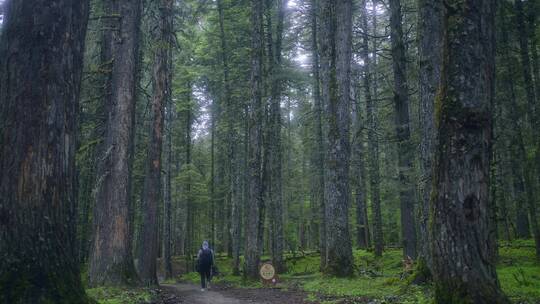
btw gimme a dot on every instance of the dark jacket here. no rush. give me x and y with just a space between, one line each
205 260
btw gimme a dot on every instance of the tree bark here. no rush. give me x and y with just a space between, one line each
273 147
518 161
111 259
255 202
236 212
167 210
462 242
502 198
319 151
335 50
359 179
526 63
533 114
41 63
373 141
532 17
430 32
532 23
148 253
190 251
403 131
235 184
212 214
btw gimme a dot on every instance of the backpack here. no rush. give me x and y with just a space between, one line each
205 259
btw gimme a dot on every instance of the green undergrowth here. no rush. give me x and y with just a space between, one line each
380 278
519 272
383 278
114 295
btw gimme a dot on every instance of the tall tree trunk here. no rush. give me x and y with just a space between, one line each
234 160
359 173
522 220
229 134
255 202
492 211
532 24
502 198
220 201
168 210
212 215
148 253
236 211
111 259
273 159
371 117
84 220
533 112
167 193
245 169
518 157
39 101
463 264
403 132
526 63
88 162
179 212
335 50
319 150
430 32
532 17
189 231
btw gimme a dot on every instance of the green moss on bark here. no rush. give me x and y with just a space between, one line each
446 295
421 274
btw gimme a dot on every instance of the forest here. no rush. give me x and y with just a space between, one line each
371 151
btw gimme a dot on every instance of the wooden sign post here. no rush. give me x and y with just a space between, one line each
268 274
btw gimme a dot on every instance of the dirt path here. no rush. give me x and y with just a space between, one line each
188 293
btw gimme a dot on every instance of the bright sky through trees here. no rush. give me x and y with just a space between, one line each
1 12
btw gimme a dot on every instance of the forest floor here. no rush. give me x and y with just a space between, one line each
376 281
221 294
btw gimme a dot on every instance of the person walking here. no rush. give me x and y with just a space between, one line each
205 261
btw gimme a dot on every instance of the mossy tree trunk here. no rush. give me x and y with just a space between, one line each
234 152
403 132
162 81
430 34
533 111
41 54
318 134
111 261
255 201
359 177
518 156
189 248
463 237
371 120
335 54
273 145
167 191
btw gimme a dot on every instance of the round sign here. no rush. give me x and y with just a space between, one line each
267 272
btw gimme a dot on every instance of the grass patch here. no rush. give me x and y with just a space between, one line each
114 295
382 278
519 272
170 281
375 278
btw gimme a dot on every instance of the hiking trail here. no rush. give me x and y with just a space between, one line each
192 294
